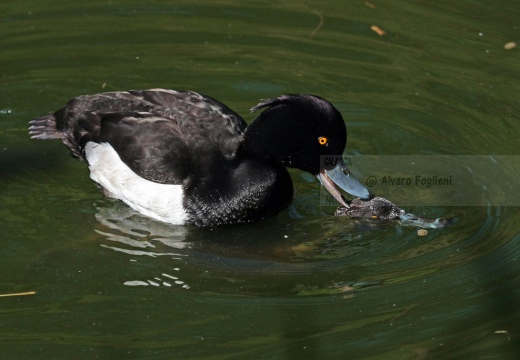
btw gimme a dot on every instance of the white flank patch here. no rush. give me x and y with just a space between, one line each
159 201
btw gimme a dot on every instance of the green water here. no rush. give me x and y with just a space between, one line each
301 285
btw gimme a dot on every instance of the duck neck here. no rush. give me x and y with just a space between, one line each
266 139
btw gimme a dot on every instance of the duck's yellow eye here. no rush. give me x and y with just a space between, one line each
323 140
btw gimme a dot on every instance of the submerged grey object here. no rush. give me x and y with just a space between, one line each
383 209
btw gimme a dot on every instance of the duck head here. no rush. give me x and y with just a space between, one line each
305 132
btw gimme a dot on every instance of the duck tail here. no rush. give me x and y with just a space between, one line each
44 127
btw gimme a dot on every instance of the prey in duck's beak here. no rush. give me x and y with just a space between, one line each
341 176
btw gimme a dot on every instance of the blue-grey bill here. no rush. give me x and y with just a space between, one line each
340 176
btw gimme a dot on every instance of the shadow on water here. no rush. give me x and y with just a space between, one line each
23 159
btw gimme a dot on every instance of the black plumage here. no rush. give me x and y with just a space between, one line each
229 172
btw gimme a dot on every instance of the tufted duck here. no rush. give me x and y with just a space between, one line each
185 158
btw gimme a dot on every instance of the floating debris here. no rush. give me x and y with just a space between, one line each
19 294
510 45
422 232
377 30
503 332
320 24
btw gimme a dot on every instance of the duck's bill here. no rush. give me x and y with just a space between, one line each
340 177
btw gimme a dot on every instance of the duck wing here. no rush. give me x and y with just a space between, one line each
158 133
